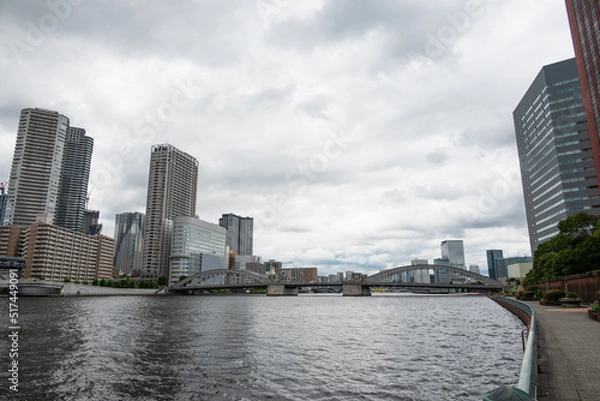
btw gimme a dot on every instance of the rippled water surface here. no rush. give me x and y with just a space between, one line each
317 347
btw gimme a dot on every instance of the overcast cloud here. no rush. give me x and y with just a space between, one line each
359 134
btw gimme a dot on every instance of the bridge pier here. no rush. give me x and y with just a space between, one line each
281 290
355 289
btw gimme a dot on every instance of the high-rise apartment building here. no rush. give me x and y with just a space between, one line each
240 233
555 153
50 171
493 255
584 19
172 185
36 168
129 242
74 180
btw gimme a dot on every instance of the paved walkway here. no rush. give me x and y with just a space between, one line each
569 354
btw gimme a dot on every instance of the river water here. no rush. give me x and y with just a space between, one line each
247 347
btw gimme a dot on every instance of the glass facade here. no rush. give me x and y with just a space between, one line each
555 153
197 246
493 255
240 233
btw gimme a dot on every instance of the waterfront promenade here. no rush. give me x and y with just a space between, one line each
569 354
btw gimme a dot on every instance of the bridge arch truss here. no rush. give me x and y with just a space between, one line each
422 273
221 277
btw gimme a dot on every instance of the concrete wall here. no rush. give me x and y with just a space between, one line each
584 285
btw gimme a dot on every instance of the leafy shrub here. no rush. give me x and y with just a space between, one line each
596 307
554 295
572 295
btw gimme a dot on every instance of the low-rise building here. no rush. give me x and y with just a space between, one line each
55 253
197 246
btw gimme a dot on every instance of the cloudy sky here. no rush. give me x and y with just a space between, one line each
359 134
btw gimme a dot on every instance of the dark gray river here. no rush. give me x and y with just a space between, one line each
312 347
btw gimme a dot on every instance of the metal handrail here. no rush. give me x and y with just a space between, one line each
528 376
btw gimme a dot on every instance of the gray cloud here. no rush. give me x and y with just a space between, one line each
329 123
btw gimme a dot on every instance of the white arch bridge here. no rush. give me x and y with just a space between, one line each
423 277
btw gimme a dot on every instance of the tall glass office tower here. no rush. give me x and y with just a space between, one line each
557 167
129 242
493 255
172 185
240 233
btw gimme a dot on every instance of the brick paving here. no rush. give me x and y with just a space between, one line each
569 354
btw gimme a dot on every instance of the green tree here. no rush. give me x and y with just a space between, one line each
575 249
162 281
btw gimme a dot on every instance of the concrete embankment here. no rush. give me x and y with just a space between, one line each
71 289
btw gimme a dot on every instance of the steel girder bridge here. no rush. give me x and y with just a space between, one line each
432 278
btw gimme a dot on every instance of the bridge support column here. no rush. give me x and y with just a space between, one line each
280 290
355 289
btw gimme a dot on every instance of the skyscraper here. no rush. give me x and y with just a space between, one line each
34 183
493 255
172 185
453 251
129 242
555 153
240 233
74 180
584 19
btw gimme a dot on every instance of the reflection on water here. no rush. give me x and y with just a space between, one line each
317 347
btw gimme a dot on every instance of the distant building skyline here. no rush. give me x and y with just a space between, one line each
171 192
557 167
